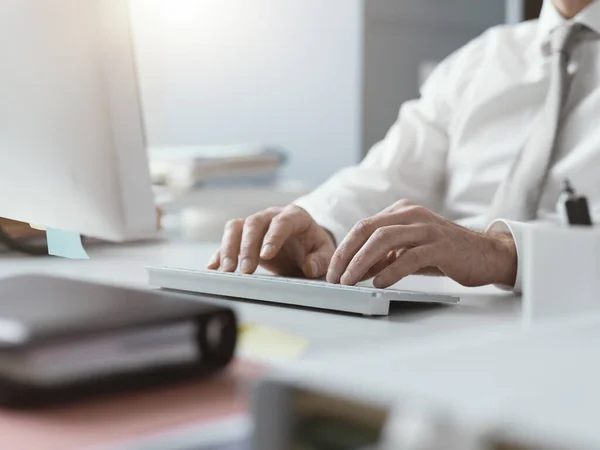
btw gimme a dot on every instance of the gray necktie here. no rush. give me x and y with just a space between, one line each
518 196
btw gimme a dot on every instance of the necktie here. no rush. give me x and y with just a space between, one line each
518 196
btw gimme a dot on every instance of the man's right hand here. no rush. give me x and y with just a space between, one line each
285 241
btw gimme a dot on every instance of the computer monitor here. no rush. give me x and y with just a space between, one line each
72 139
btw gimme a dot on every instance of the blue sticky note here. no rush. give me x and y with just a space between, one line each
65 244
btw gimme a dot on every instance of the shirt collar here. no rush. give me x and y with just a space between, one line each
550 19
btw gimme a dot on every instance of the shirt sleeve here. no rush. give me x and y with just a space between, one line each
517 230
409 163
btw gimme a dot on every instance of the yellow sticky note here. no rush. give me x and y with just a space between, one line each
37 227
265 343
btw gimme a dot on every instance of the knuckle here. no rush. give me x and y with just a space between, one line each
254 220
282 220
364 227
234 224
416 211
273 210
381 235
405 203
292 207
292 210
297 213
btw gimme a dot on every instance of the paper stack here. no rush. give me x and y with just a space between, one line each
185 168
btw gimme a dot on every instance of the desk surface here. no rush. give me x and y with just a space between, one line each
125 264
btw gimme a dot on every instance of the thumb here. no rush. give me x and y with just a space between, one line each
316 264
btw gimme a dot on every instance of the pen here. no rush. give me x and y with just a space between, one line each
572 208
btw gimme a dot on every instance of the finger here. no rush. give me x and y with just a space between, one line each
353 241
316 264
364 229
380 266
215 261
282 227
409 263
230 245
381 242
254 232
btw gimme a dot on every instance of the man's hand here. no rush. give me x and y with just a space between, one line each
286 241
405 239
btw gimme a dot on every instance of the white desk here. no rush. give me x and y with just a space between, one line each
326 330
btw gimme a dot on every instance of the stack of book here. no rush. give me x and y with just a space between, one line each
186 168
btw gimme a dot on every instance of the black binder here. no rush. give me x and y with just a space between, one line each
63 339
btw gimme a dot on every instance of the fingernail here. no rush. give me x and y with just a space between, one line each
228 264
332 277
314 269
246 265
267 250
380 283
213 260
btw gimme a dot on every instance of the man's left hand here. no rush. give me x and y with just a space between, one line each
407 239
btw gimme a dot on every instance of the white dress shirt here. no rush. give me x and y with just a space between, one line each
450 149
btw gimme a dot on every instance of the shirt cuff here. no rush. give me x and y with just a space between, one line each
517 230
320 214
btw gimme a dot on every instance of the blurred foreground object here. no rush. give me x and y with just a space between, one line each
66 340
561 271
498 389
262 343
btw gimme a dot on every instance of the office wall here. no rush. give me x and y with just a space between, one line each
322 78
403 37
285 72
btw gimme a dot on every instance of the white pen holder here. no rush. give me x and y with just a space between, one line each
561 272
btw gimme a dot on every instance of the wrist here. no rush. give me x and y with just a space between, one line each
504 269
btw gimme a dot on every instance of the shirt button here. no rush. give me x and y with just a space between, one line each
572 68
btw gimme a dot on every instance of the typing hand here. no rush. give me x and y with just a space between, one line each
286 241
406 239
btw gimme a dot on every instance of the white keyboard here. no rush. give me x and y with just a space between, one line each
290 291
